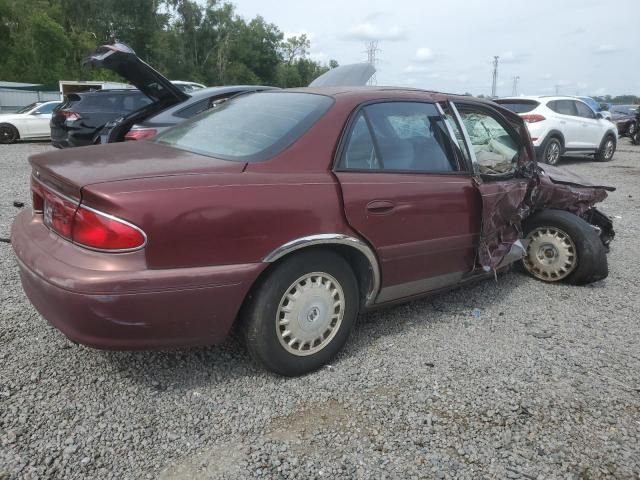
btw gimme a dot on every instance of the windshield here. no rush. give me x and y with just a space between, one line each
624 109
249 128
28 107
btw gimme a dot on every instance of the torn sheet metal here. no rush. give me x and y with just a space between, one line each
507 203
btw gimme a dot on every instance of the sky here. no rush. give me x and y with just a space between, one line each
575 47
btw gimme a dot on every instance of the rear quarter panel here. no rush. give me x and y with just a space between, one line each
219 219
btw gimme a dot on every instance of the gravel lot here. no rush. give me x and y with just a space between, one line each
515 379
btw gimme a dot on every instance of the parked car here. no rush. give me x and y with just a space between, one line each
561 125
78 121
292 211
30 122
595 106
164 94
624 116
200 100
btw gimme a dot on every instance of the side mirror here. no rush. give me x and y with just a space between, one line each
599 115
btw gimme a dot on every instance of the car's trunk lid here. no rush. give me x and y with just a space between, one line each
121 59
67 171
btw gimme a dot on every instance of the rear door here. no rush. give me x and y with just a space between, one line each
408 190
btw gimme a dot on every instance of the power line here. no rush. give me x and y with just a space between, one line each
494 80
372 59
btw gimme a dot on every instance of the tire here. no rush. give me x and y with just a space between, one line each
552 151
607 148
631 129
635 138
563 247
311 284
8 133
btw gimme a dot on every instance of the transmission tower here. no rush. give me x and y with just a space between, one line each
372 59
494 79
514 91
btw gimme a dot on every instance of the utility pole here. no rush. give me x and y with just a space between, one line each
514 91
557 87
494 80
372 59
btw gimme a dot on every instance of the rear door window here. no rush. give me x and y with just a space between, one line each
400 137
564 107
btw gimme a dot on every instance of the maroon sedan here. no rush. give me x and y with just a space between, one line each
290 212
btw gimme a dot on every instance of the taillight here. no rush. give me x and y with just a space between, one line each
98 230
140 134
70 116
83 225
532 118
58 213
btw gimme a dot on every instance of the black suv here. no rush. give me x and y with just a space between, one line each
79 119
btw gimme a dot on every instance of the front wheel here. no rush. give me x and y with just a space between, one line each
8 133
301 314
563 247
607 149
635 137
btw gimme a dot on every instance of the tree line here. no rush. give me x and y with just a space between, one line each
44 41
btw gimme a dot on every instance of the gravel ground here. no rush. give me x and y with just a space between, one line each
515 379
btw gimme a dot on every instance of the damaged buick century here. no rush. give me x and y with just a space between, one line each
290 212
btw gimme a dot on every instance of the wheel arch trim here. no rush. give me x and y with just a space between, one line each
333 239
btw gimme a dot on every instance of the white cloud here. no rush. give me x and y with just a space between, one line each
514 57
416 69
601 91
321 57
547 76
605 49
462 78
368 31
299 33
424 54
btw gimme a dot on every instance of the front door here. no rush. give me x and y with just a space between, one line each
408 191
591 131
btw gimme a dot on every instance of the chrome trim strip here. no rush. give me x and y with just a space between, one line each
53 190
115 219
404 290
333 239
467 138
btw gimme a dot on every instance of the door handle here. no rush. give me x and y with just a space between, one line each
562 121
380 206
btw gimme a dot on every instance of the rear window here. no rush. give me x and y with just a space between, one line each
249 128
519 106
109 102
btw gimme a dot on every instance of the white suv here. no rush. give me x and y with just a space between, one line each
560 125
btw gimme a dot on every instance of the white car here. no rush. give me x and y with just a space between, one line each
30 122
561 125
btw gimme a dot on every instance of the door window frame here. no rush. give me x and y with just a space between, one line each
345 137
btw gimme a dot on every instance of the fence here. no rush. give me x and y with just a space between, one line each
13 100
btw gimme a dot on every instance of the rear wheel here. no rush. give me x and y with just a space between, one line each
8 133
632 128
635 138
552 151
563 247
301 314
607 149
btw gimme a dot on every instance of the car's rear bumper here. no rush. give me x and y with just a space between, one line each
113 301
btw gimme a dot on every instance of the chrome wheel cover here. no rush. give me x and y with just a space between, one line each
551 254
310 314
609 148
552 153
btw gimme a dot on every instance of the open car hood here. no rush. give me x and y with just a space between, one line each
352 75
121 59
